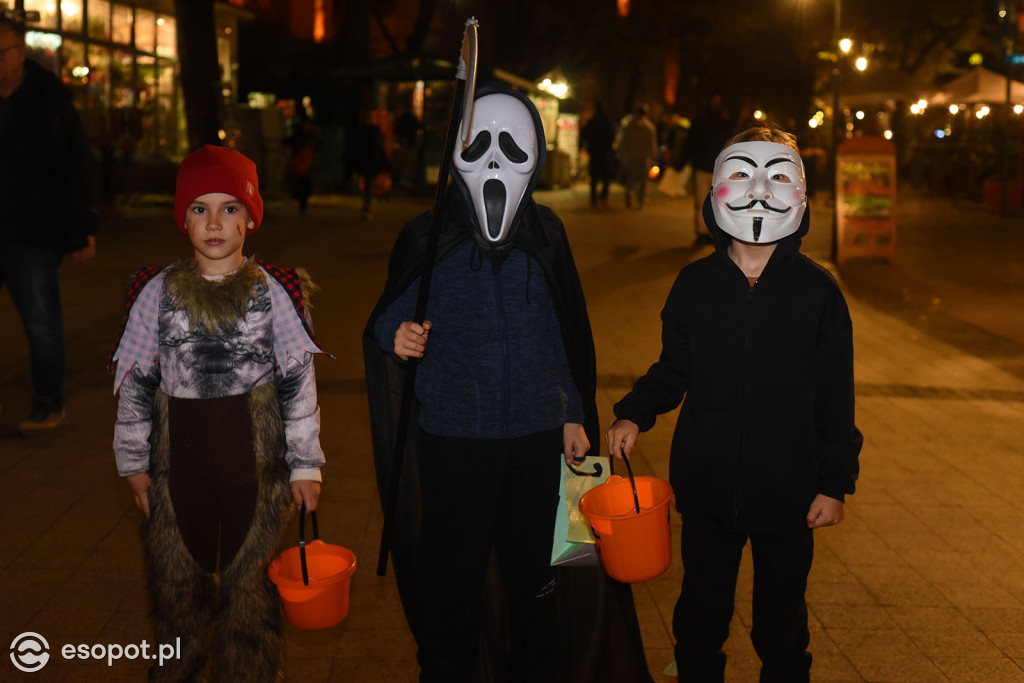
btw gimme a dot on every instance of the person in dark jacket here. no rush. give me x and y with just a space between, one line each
707 136
505 385
303 141
758 346
49 211
597 138
368 158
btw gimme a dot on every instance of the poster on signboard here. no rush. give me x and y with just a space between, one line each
865 200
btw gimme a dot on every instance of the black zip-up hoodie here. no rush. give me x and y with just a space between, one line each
767 374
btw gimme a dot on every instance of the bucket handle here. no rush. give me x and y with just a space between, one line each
302 539
632 481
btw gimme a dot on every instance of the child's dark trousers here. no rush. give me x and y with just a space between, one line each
711 559
481 495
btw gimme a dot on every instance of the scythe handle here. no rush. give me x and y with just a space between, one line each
461 105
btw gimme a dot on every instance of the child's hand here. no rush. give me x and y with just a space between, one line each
306 491
140 485
824 511
411 339
621 437
575 443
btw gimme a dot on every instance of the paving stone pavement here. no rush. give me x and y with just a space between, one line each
924 581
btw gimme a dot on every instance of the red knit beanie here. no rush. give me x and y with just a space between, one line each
217 169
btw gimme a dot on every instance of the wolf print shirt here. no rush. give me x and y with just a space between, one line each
195 337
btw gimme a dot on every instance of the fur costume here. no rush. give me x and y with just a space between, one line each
218 338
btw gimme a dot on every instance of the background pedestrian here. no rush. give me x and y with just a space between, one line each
49 205
638 150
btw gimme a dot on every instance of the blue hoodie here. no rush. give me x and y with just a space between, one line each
495 365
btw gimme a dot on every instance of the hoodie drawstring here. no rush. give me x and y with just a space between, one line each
476 257
529 269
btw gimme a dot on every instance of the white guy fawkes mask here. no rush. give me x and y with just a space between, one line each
759 193
498 163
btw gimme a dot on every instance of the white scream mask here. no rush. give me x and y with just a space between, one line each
498 163
759 193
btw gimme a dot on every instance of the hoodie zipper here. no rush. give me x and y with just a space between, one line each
743 410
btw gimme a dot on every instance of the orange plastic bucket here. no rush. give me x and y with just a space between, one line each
634 546
322 602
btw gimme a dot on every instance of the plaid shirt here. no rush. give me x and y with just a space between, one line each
140 339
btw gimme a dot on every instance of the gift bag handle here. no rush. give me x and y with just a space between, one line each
598 471
302 539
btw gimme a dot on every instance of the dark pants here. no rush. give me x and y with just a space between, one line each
212 477
600 172
32 277
302 188
480 495
368 190
711 559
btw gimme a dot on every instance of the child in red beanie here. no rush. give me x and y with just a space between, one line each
217 430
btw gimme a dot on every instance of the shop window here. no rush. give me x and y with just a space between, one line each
99 92
180 143
71 16
148 121
167 108
43 47
47 12
226 69
121 24
99 75
159 104
122 85
99 19
166 36
145 30
74 71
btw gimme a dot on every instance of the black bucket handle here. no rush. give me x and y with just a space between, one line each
316 537
632 481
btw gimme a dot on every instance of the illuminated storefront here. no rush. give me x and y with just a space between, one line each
120 60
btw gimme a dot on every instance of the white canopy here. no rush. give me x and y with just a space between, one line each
979 85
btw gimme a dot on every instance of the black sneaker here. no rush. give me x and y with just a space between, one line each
41 420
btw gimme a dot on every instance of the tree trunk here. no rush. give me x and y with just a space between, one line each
200 72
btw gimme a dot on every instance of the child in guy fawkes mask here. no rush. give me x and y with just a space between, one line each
505 385
758 345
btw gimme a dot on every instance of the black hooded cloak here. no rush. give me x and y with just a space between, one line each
598 619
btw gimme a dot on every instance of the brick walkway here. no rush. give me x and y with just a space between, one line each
924 581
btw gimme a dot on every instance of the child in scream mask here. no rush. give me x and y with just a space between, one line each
758 345
217 430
